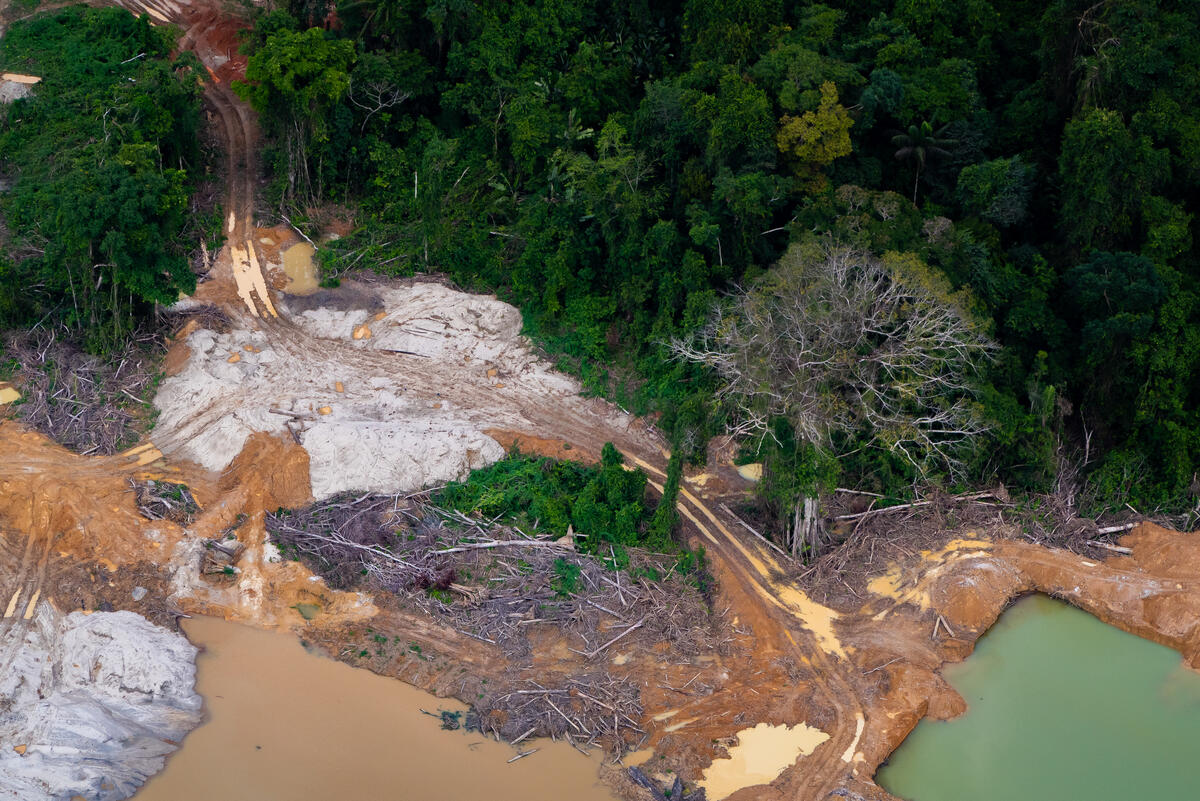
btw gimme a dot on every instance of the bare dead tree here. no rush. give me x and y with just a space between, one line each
375 96
834 339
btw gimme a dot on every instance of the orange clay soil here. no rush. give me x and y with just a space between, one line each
71 533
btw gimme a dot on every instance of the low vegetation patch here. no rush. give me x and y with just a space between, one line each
604 507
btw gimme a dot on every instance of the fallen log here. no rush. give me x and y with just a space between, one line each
1108 546
970 496
479 546
747 526
597 651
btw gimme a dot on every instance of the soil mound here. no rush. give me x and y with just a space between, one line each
91 704
341 376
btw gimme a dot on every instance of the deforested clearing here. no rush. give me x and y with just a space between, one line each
389 428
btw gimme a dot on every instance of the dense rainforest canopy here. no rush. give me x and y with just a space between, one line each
102 160
636 175
617 167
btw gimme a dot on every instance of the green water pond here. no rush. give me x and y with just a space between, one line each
1061 707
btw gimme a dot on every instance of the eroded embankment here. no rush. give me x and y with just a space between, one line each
396 386
931 609
93 703
852 678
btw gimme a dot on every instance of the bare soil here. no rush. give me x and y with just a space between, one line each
859 665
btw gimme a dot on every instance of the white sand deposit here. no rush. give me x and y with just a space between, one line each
370 416
91 705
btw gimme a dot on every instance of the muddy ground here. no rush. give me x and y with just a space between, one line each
864 674
861 667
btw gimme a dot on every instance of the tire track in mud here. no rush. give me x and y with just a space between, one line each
22 593
750 568
583 423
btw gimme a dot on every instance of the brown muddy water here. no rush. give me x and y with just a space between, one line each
284 723
300 268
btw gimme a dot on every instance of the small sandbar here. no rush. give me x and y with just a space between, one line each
762 753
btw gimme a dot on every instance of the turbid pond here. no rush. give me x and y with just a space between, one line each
288 724
1060 706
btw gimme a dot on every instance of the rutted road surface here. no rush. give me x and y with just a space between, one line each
263 415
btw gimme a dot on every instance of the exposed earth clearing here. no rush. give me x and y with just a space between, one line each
424 371
364 372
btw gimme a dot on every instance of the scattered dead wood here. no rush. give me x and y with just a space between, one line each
584 711
89 404
220 557
1108 546
208 316
497 583
971 496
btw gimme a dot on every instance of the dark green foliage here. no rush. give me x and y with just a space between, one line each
102 155
614 167
794 468
294 79
997 191
605 506
666 516
566 577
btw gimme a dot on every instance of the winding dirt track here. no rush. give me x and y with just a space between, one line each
797 661
748 573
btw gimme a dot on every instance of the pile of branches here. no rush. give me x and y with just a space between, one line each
340 537
491 581
870 536
496 583
165 500
598 606
583 711
89 404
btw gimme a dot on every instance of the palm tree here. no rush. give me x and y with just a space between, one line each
920 145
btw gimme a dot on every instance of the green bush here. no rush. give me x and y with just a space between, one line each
604 505
566 578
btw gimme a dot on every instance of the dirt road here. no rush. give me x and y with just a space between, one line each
862 675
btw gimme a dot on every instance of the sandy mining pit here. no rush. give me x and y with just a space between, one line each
419 383
94 703
337 375
402 385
